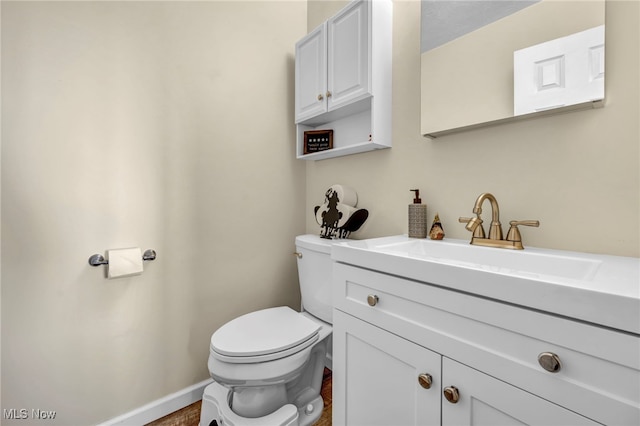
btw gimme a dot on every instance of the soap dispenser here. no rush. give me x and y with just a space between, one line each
417 217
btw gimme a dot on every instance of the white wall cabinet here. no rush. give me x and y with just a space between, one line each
487 350
343 80
332 63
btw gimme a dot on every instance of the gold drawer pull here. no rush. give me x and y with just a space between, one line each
425 380
452 394
372 300
550 362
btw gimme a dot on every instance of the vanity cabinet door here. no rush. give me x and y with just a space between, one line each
349 53
311 74
485 400
382 379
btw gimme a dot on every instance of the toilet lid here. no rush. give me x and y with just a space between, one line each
263 332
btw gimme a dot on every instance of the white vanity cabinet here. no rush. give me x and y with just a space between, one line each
485 400
388 331
382 379
343 80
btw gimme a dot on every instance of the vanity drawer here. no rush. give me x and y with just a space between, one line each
599 374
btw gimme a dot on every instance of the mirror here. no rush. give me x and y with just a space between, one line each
468 52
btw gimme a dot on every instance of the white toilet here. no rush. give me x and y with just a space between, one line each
268 365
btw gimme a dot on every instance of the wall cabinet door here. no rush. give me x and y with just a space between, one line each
311 74
378 377
332 63
485 400
349 52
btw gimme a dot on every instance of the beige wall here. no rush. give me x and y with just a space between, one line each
161 125
578 173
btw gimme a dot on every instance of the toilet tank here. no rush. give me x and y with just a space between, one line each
315 275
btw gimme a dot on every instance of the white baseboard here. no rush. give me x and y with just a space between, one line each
160 407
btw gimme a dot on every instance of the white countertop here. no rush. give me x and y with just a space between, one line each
598 289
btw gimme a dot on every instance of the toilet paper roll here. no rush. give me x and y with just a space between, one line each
124 262
346 195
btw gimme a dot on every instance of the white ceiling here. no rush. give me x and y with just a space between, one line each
445 20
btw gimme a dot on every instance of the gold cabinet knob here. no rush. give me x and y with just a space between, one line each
372 300
550 362
320 97
328 94
452 394
425 380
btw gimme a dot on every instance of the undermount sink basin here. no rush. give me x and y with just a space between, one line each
531 262
600 289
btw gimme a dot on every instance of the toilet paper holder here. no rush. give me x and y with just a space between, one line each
98 259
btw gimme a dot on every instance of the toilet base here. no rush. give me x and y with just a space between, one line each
216 411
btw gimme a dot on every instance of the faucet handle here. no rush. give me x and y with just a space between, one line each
535 223
474 225
514 232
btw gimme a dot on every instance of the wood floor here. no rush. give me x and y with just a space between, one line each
190 416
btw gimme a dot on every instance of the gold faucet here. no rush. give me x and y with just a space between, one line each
513 240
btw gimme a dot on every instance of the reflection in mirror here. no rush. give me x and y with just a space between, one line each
478 55
563 71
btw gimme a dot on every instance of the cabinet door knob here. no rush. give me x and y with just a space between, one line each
425 380
320 97
452 394
328 94
550 362
372 300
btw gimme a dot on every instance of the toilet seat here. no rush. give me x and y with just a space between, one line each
264 335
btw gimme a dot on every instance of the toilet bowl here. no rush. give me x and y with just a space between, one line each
267 365
216 408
